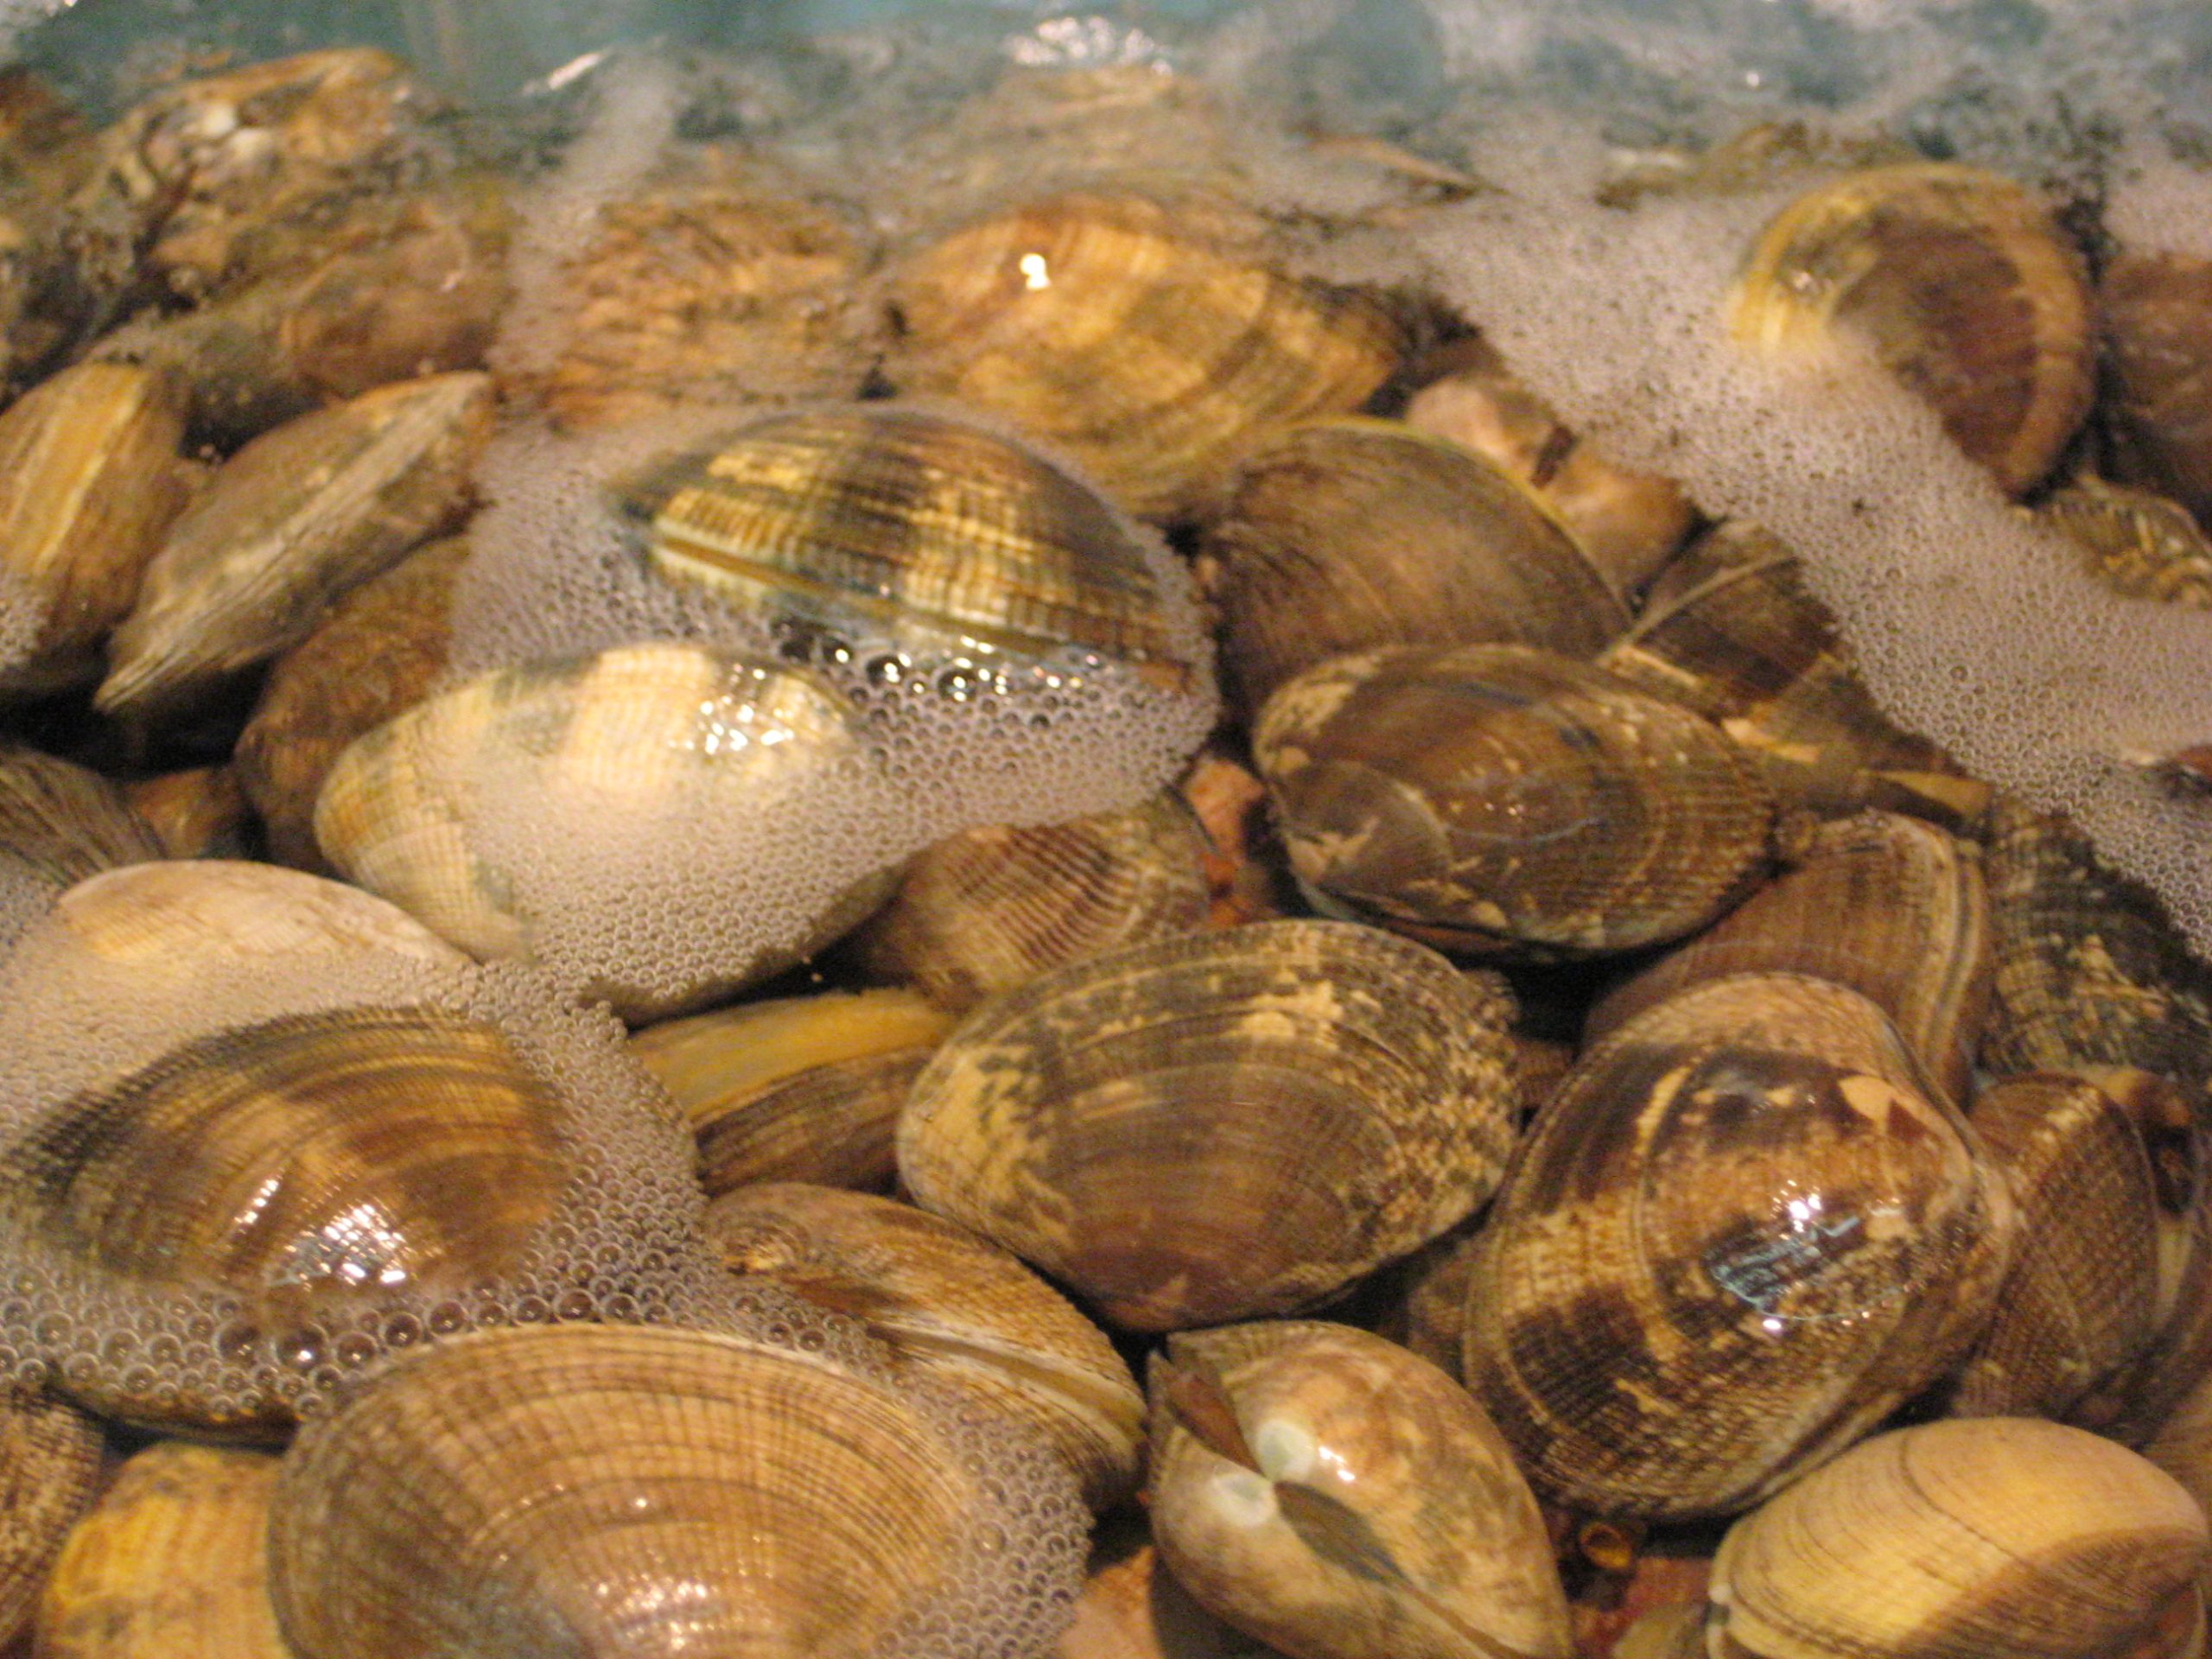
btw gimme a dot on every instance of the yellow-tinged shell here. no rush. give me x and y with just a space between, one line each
1345 535
1889 906
2157 313
50 1474
1742 1233
603 1489
952 1307
173 1561
61 822
1339 1498
1503 799
992 908
1100 323
295 520
197 812
90 479
1220 1126
1961 283
1990 1536
2134 542
909 525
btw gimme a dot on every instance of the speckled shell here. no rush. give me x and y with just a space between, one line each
1964 287
1333 1495
289 524
61 822
1347 535
2157 313
1217 1128
1730 631
907 524
173 1561
197 812
994 907
49 1473
1110 327
676 1491
2136 542
1888 905
1995 1535
241 1165
372 657
1742 1233
950 1306
1497 798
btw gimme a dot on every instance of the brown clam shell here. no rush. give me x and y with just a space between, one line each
1962 284
1345 535
50 1474
1500 799
2157 313
199 812
1889 906
2136 542
950 1306
1744 1232
62 822
1219 1127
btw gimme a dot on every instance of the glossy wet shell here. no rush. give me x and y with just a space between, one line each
1346 535
174 1561
302 1169
1354 1503
1741 1235
2157 310
681 1490
950 1307
1964 287
1496 799
49 1473
907 524
61 822
1096 322
1220 1126
2000 1535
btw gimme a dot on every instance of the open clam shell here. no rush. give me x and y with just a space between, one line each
596 1491
50 1474
1219 1127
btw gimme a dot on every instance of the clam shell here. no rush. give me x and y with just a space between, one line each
1742 1233
2137 543
1503 799
1960 283
1219 1127
604 1489
61 822
376 655
199 812
1888 905
1100 323
950 1307
290 523
2157 313
173 1561
1346 535
1331 1494
991 908
1994 1535
50 1474
1132 1608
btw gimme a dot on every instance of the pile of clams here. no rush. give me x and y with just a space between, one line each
708 945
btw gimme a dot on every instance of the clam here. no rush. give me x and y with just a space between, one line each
1346 535
374 656
1993 1536
1744 1232
1132 1608
1333 1495
1731 631
1498 798
1960 283
2157 312
50 1474
638 821
1111 326
1889 906
61 822
172 1561
991 909
197 813
90 479
1426 1311
653 1489
46 154
1219 1127
2135 542
289 524
951 1308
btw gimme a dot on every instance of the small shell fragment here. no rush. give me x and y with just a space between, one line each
2134 542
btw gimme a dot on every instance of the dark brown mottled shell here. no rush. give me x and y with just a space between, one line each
1219 1127
199 812
1730 630
2136 542
1964 286
1347 535
2158 333
1503 799
1742 1233
49 1472
1889 906
62 822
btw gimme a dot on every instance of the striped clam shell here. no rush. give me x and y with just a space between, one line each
50 1474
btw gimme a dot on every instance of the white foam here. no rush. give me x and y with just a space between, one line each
2159 205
